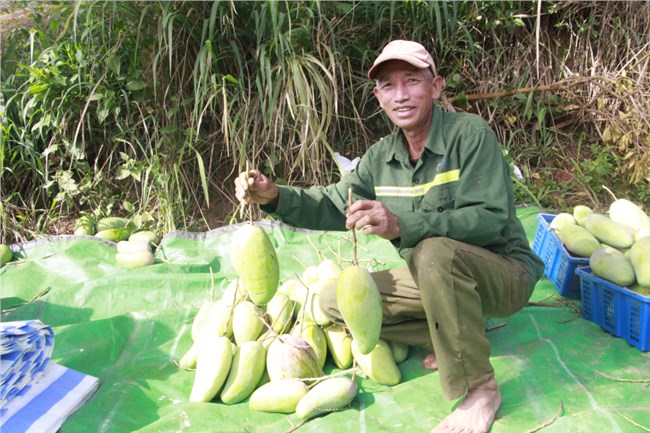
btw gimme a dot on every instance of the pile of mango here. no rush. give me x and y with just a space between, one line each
134 247
617 243
268 342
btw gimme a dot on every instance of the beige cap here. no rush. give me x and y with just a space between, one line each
408 51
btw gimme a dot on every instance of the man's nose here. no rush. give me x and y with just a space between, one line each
401 92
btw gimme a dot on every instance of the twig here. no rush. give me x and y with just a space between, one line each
498 325
620 379
250 202
212 292
297 426
43 292
317 380
561 85
354 233
23 261
610 192
559 303
631 420
299 261
549 421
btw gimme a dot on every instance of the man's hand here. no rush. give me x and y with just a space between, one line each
373 218
257 188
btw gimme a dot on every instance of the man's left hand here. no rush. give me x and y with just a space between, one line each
373 218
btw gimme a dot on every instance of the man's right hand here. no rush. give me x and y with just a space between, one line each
254 186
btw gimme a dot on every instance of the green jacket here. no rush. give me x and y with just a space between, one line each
460 188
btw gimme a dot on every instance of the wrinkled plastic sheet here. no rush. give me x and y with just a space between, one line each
129 327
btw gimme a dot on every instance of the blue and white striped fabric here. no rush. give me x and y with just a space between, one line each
58 393
36 396
25 350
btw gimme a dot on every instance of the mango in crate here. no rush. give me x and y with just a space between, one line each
578 240
609 232
612 265
629 214
580 213
640 259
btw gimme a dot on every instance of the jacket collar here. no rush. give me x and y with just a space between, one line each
435 142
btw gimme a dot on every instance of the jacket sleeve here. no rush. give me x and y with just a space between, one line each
323 207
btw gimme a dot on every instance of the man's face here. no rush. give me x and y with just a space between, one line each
405 93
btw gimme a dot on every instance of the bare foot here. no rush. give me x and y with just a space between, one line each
476 413
430 362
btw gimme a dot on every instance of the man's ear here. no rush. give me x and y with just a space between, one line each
438 84
375 91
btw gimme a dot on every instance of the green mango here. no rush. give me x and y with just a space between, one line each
359 303
246 370
135 259
213 361
291 357
247 323
399 350
6 255
116 223
280 312
578 240
580 212
608 231
629 214
640 259
114 235
145 236
280 396
314 335
339 345
379 365
255 261
561 220
331 394
612 265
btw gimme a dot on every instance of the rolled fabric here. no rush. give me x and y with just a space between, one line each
25 350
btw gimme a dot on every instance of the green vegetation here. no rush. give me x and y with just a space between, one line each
146 110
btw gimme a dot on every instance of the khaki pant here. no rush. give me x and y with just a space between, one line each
440 302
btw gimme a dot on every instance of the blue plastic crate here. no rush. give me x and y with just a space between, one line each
559 265
616 309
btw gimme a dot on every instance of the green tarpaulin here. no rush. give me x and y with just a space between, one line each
129 327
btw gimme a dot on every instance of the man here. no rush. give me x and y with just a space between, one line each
440 190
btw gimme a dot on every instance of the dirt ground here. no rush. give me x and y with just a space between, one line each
10 20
